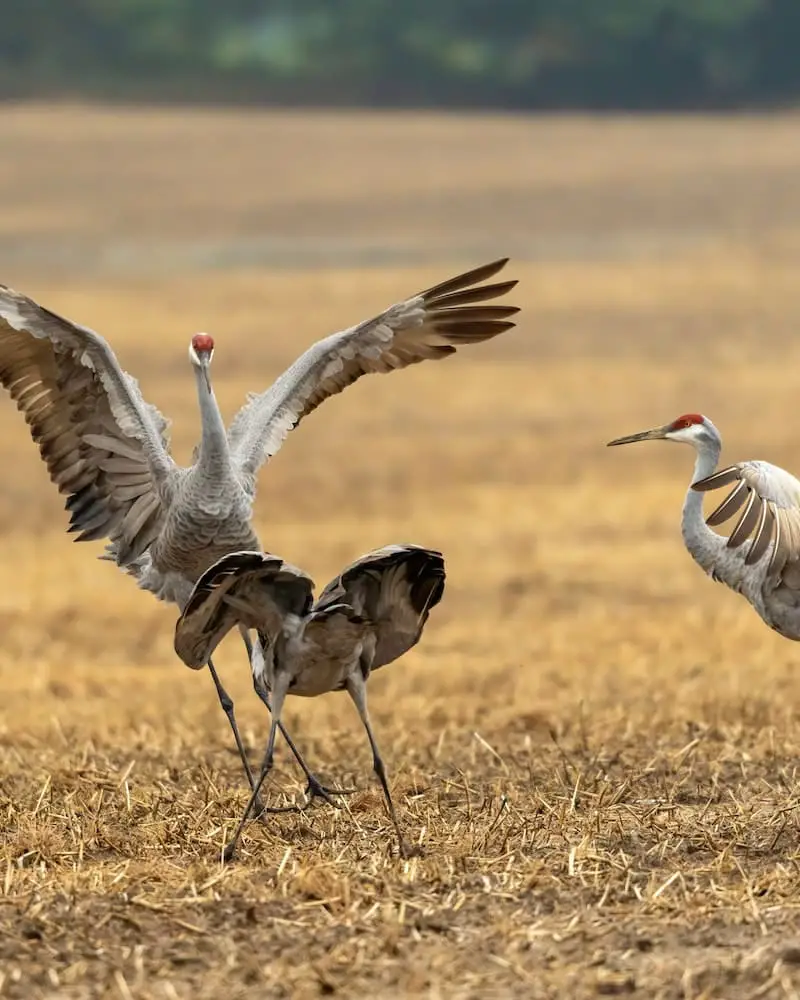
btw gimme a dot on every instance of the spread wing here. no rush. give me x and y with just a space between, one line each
768 498
395 588
104 446
254 589
427 326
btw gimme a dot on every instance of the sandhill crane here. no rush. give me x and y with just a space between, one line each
108 450
767 571
371 614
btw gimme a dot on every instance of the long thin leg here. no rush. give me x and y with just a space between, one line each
262 810
357 689
226 702
278 696
314 788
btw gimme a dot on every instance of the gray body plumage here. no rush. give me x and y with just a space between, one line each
202 524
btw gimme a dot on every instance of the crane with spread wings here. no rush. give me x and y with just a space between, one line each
107 449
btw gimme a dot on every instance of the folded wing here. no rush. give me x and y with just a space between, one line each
767 500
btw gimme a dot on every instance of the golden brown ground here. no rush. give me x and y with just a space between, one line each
596 746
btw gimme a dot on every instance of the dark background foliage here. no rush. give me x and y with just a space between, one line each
465 53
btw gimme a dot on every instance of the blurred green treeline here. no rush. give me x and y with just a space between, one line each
468 53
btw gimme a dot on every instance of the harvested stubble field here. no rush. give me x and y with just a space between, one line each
596 746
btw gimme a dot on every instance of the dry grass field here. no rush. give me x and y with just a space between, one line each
596 747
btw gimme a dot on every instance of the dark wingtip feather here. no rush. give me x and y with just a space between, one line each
717 480
473 331
466 279
77 499
780 549
763 535
746 522
473 312
477 293
91 534
729 506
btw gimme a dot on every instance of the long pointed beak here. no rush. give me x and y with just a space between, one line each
655 434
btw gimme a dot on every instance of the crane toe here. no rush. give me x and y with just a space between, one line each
316 790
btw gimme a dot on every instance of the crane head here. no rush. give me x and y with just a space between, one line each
690 428
201 350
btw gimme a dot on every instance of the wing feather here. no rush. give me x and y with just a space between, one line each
718 479
427 326
395 588
746 522
82 409
729 505
772 511
253 589
763 534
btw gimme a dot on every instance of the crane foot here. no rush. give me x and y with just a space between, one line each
313 790
316 790
259 810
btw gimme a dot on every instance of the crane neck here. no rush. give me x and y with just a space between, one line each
706 462
214 455
703 543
